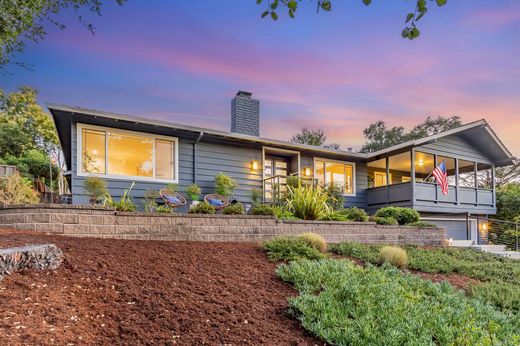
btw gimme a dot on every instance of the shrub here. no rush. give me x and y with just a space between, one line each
307 204
282 213
172 187
293 181
314 240
163 209
393 255
224 185
124 204
422 224
234 209
193 191
345 304
290 249
262 209
95 187
202 208
389 221
17 190
335 196
336 215
256 195
150 200
355 214
402 215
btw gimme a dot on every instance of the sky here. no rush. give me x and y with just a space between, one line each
183 61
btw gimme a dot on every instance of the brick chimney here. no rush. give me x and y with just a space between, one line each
245 114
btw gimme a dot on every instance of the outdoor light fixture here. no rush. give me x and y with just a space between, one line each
307 171
484 226
254 165
420 163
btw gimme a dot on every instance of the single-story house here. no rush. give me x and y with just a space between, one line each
123 149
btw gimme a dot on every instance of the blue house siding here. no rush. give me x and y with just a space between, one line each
454 146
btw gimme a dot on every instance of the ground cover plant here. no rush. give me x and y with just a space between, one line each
290 248
347 304
500 276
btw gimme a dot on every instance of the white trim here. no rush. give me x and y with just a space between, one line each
285 151
354 172
79 154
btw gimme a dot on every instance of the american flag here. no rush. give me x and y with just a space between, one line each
441 176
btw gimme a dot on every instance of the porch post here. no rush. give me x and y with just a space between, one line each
387 180
412 173
436 183
475 173
493 184
457 181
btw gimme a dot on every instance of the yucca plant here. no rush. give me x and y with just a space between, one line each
307 203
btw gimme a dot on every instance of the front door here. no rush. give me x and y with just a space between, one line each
276 170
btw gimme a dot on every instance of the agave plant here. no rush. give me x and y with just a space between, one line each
307 203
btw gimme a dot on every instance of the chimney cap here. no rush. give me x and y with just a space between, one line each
244 93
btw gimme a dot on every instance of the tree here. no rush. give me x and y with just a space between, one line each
25 19
508 202
410 30
11 141
21 111
379 136
311 137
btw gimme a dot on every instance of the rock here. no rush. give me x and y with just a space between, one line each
39 256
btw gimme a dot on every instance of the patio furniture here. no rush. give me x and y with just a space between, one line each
216 200
172 199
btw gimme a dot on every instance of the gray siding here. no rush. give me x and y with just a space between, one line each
454 146
231 160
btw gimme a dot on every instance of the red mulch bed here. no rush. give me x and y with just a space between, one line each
147 292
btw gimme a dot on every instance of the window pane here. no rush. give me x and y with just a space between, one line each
164 159
335 174
450 168
93 151
484 176
130 155
400 168
466 173
424 166
377 173
349 179
320 172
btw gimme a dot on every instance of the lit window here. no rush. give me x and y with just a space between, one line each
93 151
118 153
335 173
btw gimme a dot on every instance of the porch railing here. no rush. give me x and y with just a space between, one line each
498 232
275 187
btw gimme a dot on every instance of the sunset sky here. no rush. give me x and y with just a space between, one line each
183 61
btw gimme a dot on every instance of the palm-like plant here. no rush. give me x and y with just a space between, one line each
307 203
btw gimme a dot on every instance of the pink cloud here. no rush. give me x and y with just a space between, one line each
493 19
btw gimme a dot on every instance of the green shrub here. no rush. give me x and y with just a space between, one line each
202 208
224 185
393 255
307 204
126 202
17 190
290 248
402 215
355 214
163 209
262 209
234 209
422 224
193 191
282 213
256 195
293 181
336 215
389 221
345 304
96 188
172 187
335 195
150 200
314 240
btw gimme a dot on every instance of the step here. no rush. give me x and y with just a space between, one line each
461 243
489 248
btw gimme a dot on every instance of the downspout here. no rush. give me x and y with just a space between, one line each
195 157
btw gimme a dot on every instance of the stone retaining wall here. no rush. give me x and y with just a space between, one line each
86 221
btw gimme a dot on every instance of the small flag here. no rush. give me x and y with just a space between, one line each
441 176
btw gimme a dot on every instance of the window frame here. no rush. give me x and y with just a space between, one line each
79 153
352 164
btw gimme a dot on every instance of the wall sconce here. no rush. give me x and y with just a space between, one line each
484 226
307 172
420 163
254 165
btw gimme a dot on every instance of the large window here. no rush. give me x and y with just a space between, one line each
424 166
400 168
330 172
117 153
466 173
377 173
450 168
